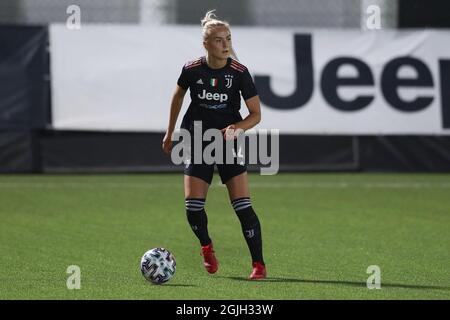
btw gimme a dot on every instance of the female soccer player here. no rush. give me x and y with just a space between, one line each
216 82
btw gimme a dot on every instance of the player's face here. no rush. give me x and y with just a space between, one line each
218 43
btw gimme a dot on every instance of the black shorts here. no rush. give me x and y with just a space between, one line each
205 171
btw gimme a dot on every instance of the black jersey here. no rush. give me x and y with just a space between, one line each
215 93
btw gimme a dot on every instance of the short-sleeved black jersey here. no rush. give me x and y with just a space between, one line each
215 93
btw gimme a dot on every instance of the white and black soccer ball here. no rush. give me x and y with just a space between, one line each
158 265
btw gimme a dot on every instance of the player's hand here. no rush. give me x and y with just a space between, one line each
230 132
167 143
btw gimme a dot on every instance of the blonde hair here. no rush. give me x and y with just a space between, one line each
211 21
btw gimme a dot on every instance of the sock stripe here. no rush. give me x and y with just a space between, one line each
194 209
194 201
194 204
240 199
242 207
241 203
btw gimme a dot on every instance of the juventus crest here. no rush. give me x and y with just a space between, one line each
229 80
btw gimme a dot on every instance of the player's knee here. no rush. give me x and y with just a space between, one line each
194 205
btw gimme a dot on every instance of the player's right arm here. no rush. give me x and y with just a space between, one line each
175 107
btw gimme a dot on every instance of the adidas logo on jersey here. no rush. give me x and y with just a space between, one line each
199 81
221 97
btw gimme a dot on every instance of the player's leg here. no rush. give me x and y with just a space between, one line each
238 191
196 183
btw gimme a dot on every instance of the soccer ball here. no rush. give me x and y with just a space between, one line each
158 265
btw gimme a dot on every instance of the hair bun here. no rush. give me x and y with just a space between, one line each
209 16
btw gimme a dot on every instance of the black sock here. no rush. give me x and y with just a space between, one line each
251 227
198 220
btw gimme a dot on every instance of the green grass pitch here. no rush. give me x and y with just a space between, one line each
320 234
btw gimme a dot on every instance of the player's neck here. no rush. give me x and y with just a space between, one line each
215 63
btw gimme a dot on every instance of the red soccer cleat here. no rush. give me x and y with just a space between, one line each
210 262
259 271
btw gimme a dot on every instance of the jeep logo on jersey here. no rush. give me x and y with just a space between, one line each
221 97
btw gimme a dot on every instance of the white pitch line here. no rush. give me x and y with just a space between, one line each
85 185
343 185
268 185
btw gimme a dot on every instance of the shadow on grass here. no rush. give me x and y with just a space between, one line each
345 283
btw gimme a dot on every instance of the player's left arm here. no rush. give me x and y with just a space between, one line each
254 107
254 117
